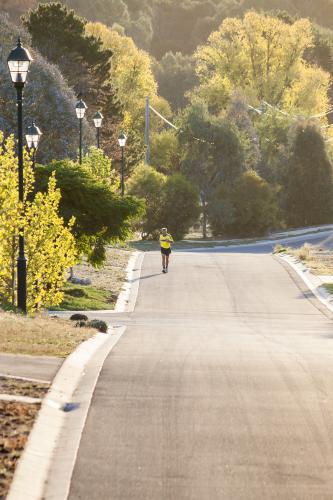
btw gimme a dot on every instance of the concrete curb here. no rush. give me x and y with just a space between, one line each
313 282
50 454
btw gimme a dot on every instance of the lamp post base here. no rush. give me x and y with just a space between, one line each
22 284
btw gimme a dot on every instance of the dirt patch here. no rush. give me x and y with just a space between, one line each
16 422
23 388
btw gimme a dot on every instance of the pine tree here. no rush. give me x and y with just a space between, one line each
309 189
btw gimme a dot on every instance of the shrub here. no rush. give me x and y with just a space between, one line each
101 326
250 208
76 292
180 206
309 189
170 201
78 317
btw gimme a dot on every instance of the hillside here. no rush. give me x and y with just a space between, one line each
160 26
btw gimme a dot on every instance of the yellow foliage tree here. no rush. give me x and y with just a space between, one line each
50 245
132 75
263 56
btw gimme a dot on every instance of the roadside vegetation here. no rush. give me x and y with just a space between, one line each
318 260
40 335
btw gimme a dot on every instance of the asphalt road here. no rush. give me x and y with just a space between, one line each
221 388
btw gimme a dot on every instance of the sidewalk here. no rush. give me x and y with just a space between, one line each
32 367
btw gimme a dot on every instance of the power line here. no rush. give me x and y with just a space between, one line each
172 125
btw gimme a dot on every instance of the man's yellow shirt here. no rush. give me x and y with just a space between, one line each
164 240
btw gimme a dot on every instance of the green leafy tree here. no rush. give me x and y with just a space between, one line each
100 166
171 201
212 152
249 208
101 216
180 205
309 191
148 184
59 34
165 151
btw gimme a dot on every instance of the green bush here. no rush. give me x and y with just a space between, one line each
170 201
180 206
101 326
249 208
309 191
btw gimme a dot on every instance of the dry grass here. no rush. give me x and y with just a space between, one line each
40 335
112 275
318 260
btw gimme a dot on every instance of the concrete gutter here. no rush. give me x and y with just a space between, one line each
45 469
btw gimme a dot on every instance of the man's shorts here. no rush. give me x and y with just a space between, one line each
166 251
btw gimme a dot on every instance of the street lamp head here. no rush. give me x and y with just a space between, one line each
33 136
122 140
80 108
18 62
98 118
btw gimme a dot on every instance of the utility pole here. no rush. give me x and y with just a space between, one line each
147 131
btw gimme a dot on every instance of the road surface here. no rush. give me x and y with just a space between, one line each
221 388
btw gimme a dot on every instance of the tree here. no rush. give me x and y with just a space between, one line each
263 56
53 107
249 208
131 73
59 34
309 189
237 113
212 152
175 74
50 245
165 152
100 166
148 184
171 201
180 205
101 216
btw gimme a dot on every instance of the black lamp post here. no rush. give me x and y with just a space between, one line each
122 143
80 108
98 118
32 137
18 62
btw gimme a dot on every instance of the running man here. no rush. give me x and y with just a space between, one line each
165 242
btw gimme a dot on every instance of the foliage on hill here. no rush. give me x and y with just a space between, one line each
60 35
48 100
161 26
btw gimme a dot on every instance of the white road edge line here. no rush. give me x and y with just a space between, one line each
314 283
47 463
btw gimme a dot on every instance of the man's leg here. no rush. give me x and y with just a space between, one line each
167 261
163 260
